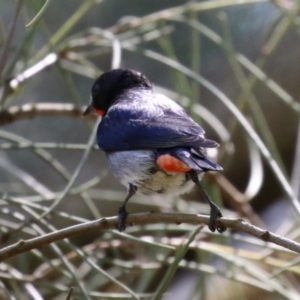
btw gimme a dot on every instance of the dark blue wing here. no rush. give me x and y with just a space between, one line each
149 121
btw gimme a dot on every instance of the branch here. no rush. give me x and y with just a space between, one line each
143 219
33 110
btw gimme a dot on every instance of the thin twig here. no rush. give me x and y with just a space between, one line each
143 219
39 14
33 110
9 38
70 293
75 174
177 10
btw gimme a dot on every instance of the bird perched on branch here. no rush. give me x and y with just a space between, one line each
152 145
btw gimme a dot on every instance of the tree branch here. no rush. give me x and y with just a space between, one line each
33 110
142 219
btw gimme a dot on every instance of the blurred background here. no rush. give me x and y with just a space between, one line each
234 65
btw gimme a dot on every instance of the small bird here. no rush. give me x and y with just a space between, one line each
152 145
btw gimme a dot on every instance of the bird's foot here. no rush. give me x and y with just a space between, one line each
122 215
215 213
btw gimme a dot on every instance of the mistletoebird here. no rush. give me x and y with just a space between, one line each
152 145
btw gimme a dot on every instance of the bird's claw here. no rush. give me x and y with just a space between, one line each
215 213
122 215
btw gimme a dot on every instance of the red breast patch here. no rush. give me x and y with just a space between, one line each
168 163
99 112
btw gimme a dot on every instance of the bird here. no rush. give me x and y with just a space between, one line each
152 145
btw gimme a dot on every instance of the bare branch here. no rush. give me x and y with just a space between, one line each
33 110
142 219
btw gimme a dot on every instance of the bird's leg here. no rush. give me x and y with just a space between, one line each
122 212
215 212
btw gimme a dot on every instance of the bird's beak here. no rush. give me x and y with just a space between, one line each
88 110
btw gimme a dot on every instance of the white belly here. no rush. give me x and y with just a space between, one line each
139 168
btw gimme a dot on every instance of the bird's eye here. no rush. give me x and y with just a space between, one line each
95 89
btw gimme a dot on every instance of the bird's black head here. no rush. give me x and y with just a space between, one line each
110 85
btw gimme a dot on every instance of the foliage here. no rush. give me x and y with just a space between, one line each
232 64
